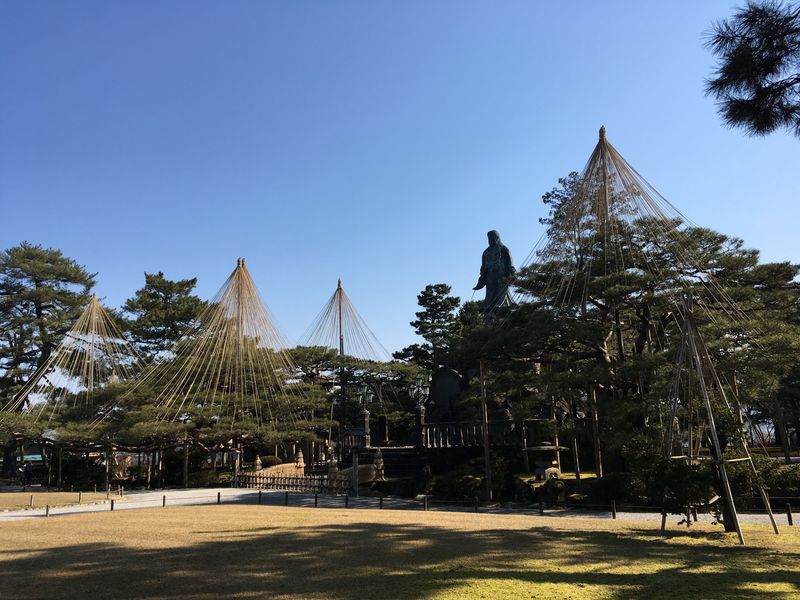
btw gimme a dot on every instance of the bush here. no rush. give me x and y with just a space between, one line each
468 480
781 479
676 485
553 490
201 479
208 478
642 455
622 487
461 483
778 479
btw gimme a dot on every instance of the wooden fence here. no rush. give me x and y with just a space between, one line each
321 484
529 433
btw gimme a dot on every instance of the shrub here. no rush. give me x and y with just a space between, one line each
208 478
676 485
553 490
467 481
200 479
642 455
461 483
781 479
622 487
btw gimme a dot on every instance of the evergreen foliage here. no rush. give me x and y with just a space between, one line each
161 312
41 293
757 81
436 323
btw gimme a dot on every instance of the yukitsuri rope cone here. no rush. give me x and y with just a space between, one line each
611 233
339 326
616 225
232 366
93 353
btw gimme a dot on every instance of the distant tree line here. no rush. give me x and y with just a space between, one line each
42 292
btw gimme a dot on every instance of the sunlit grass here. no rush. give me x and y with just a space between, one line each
243 551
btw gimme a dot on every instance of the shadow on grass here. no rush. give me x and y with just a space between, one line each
373 560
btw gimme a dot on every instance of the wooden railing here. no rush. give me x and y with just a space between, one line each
469 434
355 440
466 434
310 483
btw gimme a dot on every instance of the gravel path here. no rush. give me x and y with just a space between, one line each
147 499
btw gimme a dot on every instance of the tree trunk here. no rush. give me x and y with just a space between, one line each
598 458
186 462
108 470
10 459
618 334
782 433
727 515
161 468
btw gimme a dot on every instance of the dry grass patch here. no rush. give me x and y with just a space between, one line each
21 500
241 551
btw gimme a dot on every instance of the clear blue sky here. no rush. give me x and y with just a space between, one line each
371 141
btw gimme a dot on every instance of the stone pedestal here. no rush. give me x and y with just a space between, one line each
367 437
419 433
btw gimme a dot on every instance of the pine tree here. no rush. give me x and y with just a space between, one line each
435 323
162 311
757 82
41 293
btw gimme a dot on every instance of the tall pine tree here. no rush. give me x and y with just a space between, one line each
162 311
42 292
435 323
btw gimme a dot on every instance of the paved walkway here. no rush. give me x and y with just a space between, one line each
168 498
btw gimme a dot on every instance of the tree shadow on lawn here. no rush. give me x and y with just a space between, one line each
373 560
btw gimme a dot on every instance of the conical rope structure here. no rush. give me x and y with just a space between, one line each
614 226
612 237
93 353
698 390
232 366
339 326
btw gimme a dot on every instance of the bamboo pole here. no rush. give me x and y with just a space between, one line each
726 486
186 461
485 417
598 457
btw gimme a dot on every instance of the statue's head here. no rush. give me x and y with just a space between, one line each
494 237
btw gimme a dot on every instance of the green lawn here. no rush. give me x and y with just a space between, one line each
242 551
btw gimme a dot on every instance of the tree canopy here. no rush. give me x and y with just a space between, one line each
41 293
435 323
162 311
757 80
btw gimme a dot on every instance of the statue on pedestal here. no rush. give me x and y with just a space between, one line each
496 273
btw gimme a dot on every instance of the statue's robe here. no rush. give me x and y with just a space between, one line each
496 270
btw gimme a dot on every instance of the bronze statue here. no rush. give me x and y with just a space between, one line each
496 273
